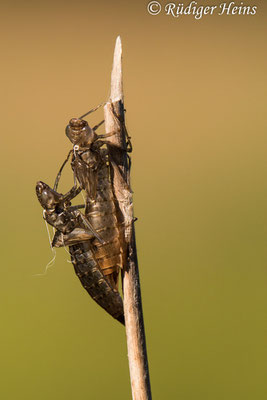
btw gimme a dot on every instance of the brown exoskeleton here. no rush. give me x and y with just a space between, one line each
73 230
92 164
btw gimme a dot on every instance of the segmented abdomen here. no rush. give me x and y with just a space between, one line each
101 213
92 279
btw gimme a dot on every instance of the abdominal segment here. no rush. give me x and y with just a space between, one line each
92 279
101 213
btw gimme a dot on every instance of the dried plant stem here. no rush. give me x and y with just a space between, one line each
135 332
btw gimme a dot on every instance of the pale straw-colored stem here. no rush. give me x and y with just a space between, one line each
134 323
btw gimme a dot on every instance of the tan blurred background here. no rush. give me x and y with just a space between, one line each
195 97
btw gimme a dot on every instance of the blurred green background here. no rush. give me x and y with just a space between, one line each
195 99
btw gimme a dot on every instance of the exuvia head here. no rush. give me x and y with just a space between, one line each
47 196
80 133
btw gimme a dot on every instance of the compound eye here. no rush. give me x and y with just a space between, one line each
40 186
77 123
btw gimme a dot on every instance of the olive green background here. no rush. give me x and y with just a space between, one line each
195 97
